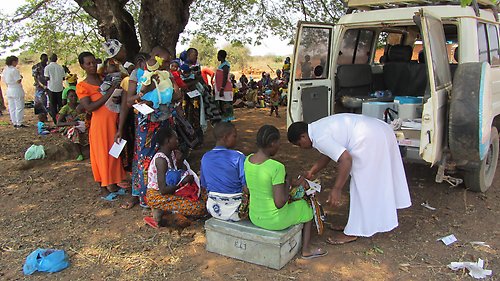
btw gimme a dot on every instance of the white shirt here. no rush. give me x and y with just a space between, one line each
56 74
11 76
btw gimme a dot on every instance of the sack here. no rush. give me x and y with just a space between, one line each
45 260
34 152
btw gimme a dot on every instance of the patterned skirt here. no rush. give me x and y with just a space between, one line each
177 204
145 149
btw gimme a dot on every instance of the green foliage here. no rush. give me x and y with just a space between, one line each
64 27
238 55
207 52
60 27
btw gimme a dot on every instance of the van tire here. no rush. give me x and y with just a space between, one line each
479 177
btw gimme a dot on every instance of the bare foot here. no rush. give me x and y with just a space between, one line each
112 188
130 203
157 215
340 238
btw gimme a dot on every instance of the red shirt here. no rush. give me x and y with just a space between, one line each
205 72
178 79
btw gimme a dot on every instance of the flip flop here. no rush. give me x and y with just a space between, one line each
316 254
110 197
151 222
121 191
331 241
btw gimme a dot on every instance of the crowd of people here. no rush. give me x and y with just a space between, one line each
180 100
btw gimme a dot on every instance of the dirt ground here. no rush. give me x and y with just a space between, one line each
54 203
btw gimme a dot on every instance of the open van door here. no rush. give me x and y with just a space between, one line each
434 115
311 84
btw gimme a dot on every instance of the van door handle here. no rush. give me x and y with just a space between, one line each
307 84
295 100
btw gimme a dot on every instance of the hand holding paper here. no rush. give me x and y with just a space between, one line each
117 148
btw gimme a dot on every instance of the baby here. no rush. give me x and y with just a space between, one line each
164 89
113 77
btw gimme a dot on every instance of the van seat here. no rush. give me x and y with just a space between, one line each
354 80
396 70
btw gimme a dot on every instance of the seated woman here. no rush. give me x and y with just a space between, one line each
162 195
73 123
269 192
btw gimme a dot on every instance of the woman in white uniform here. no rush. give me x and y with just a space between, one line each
366 149
15 93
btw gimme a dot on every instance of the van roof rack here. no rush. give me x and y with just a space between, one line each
387 4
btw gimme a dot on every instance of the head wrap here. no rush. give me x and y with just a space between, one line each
128 64
112 47
72 78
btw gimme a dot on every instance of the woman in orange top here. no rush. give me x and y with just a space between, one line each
107 170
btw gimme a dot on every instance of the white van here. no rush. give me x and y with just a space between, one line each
443 58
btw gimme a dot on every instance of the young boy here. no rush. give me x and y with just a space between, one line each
223 176
275 100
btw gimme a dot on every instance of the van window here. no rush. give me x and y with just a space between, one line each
493 40
356 47
482 42
439 53
313 53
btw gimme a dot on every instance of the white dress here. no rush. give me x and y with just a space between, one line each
378 184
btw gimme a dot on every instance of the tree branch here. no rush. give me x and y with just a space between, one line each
33 10
326 9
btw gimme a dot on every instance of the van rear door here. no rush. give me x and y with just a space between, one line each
434 116
311 83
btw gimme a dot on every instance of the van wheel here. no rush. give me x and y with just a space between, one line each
480 177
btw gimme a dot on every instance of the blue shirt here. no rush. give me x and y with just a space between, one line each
222 170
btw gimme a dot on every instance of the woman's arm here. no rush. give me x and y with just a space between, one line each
344 169
281 193
177 91
61 121
91 106
161 168
318 166
124 108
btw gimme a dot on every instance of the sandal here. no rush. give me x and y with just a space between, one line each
316 254
151 222
333 241
110 197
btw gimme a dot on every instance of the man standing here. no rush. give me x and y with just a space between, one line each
40 84
54 73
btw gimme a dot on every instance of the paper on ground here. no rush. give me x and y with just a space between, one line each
313 187
447 240
427 206
117 148
193 94
479 243
143 108
475 268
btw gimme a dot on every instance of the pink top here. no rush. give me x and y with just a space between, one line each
153 172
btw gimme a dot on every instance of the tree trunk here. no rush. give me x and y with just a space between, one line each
114 22
161 22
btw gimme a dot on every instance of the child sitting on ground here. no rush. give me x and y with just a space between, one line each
165 180
223 176
72 124
270 192
43 129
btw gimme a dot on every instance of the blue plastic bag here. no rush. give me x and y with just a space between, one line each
45 260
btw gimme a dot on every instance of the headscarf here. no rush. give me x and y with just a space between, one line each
112 47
